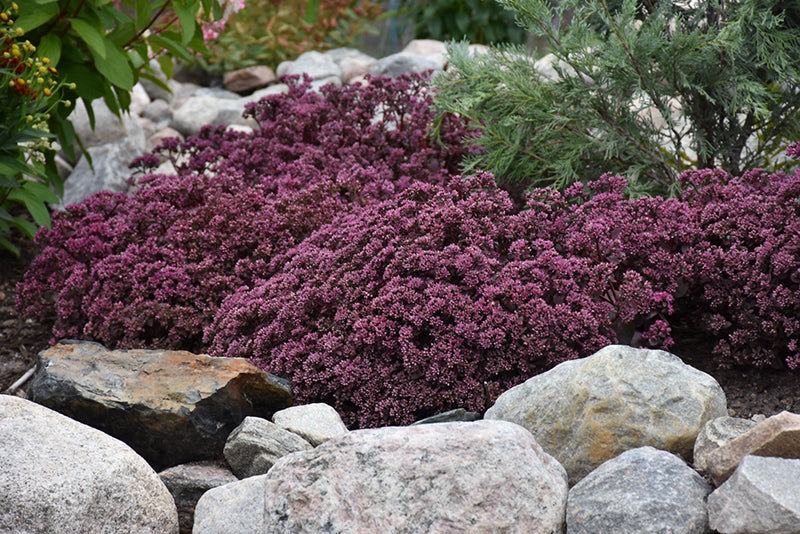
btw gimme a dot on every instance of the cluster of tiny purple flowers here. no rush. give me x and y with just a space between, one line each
344 253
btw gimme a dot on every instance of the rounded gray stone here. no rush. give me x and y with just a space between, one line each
642 490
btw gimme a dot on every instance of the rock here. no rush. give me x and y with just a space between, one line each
428 48
351 62
642 490
255 445
589 410
403 62
248 79
316 85
108 127
459 414
59 475
111 169
316 423
156 139
139 100
234 508
777 436
158 111
188 482
198 111
315 64
762 496
172 407
716 433
486 476
274 89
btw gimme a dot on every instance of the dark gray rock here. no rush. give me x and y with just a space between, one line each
255 445
188 482
459 414
641 491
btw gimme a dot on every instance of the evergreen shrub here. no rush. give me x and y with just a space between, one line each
642 88
149 269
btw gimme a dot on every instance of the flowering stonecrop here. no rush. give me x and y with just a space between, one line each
185 241
305 136
433 299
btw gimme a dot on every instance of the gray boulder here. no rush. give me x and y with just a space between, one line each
255 445
59 475
642 490
715 434
314 64
108 128
198 111
172 407
188 482
111 169
316 423
762 496
587 411
402 62
486 476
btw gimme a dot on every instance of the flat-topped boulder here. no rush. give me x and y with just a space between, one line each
483 476
171 407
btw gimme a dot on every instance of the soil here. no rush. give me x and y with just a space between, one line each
750 393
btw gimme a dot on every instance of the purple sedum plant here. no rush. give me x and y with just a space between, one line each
149 269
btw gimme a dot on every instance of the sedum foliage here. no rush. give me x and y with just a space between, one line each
645 88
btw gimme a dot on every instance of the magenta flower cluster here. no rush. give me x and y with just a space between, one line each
336 247
149 269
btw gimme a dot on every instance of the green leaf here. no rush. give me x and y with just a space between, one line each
34 205
30 20
28 228
143 14
91 36
171 46
6 244
50 47
312 12
40 191
43 2
89 82
115 67
186 13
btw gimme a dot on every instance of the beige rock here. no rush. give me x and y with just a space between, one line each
777 436
717 433
587 411
248 79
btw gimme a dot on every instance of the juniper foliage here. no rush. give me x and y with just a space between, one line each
645 88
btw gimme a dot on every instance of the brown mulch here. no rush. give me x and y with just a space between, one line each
749 392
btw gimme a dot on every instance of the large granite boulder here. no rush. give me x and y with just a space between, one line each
777 436
762 496
58 475
642 490
484 476
188 482
587 411
172 407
